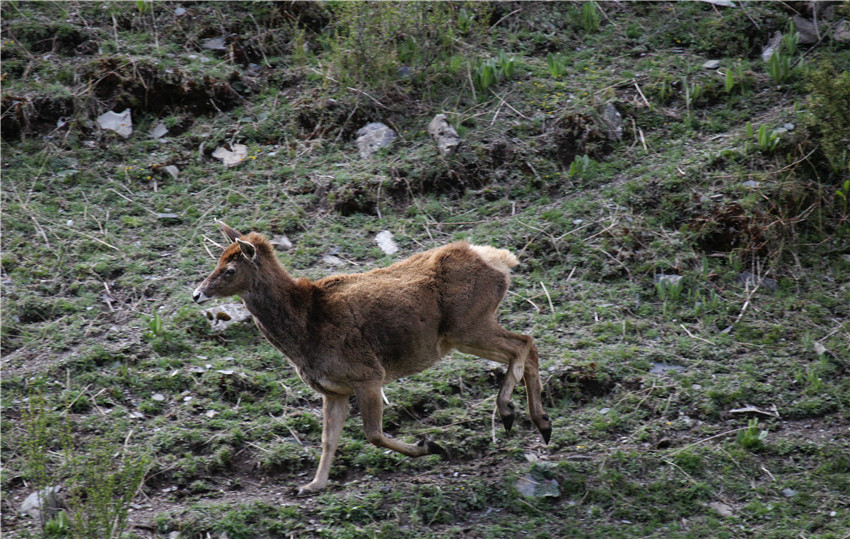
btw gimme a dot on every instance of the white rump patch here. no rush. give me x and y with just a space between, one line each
500 259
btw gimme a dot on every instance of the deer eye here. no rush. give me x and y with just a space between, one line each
229 271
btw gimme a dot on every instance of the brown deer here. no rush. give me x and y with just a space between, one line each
352 334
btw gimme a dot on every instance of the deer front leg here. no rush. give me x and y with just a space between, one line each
372 411
334 412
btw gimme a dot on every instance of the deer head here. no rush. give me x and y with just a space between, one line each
234 271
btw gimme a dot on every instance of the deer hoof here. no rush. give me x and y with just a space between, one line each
546 433
432 447
308 490
508 420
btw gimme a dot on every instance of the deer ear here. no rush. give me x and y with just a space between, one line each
248 249
228 232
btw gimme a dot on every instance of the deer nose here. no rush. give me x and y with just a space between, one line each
199 296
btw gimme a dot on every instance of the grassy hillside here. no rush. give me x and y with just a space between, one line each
685 272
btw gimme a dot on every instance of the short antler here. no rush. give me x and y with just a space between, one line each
228 232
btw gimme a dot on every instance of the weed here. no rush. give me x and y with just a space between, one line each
693 92
842 194
465 18
752 438
557 64
155 324
829 115
779 66
101 489
590 17
669 288
491 71
767 140
581 167
729 82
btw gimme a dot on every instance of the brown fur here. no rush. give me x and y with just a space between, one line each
351 334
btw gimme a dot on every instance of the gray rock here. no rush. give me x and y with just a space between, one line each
332 260
722 509
223 316
771 46
764 282
373 137
789 492
48 501
669 280
532 487
385 241
171 218
443 135
614 121
214 44
661 368
120 122
281 243
842 31
711 64
171 170
784 128
807 29
159 131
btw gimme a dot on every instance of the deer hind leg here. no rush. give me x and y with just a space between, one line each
372 411
520 355
533 390
334 412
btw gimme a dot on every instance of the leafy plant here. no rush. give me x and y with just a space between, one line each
58 526
842 193
493 70
99 486
669 288
752 437
506 65
102 487
693 92
779 66
829 113
767 140
590 17
736 77
485 74
418 36
465 18
557 64
790 40
581 166
155 325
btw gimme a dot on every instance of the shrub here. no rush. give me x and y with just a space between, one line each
411 41
829 113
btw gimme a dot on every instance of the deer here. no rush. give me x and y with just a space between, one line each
351 334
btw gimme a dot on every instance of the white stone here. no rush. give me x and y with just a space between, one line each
120 122
384 239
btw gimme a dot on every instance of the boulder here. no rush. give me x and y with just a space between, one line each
443 135
372 137
120 122
47 501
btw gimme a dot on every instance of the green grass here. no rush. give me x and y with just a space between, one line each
98 323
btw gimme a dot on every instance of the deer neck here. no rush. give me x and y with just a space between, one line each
273 300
